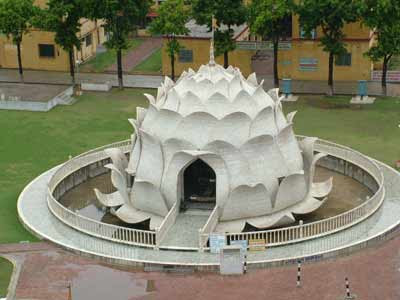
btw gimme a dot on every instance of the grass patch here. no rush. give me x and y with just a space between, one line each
6 269
152 64
102 61
33 142
372 129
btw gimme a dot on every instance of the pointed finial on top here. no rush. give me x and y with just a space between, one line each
212 59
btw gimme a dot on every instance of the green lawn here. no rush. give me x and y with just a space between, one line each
6 269
371 129
152 64
33 142
102 61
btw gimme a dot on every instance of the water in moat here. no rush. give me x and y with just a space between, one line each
346 194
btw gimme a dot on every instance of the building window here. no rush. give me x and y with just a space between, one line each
303 35
185 56
343 59
46 50
88 40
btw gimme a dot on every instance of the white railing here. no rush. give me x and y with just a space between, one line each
167 223
208 228
273 237
83 160
280 236
102 230
92 227
262 45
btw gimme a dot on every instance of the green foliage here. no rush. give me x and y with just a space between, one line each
153 64
266 17
171 20
102 61
6 269
16 18
227 14
33 142
330 16
121 18
384 17
63 18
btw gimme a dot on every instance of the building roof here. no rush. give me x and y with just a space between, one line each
202 31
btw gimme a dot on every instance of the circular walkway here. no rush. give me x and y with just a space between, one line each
34 214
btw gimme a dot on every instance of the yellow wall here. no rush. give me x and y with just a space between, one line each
360 65
288 60
351 30
30 47
357 40
201 55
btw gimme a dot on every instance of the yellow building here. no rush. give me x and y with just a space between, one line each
40 52
298 58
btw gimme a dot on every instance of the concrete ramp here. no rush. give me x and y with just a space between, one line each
185 232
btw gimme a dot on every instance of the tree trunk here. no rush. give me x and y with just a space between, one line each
173 67
330 78
72 66
119 62
21 72
384 75
276 76
226 59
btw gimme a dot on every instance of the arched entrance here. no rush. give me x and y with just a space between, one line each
199 186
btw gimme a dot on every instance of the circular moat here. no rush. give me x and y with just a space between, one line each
347 193
361 210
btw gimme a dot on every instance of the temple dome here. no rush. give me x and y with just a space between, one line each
263 175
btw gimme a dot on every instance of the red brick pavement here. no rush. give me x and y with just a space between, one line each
373 274
137 55
26 247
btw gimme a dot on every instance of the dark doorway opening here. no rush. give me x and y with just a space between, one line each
199 184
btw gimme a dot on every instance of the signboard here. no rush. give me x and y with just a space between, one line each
217 241
257 245
241 243
391 76
308 64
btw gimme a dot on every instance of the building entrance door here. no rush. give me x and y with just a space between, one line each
199 183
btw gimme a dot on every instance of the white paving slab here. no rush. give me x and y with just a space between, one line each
33 212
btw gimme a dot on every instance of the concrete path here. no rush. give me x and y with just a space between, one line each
185 231
152 81
137 55
47 77
340 87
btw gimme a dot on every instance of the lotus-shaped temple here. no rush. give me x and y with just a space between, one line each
215 139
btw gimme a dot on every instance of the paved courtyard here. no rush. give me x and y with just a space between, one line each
153 81
48 272
30 92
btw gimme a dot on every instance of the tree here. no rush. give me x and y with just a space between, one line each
15 21
171 20
121 18
227 13
144 8
267 18
330 16
63 18
384 17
